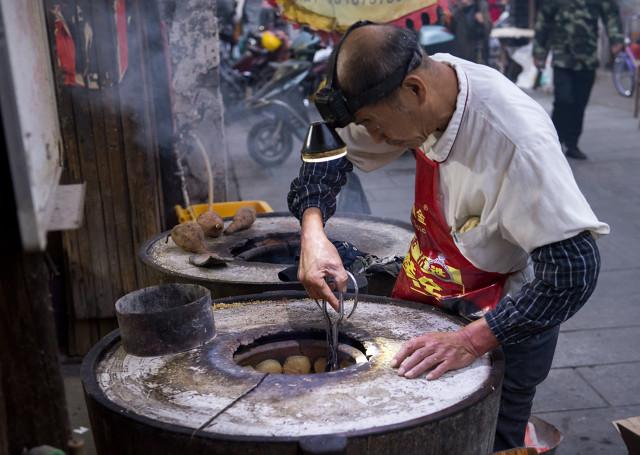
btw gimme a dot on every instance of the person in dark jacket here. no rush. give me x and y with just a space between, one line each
471 26
569 29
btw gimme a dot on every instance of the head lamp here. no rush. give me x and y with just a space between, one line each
322 143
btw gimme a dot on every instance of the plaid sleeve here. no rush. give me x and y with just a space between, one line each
318 185
566 274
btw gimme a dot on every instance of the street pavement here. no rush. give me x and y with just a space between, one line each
595 377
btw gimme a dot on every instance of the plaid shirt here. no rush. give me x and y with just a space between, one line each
565 273
318 185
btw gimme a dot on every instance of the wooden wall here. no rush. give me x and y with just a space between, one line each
122 137
113 143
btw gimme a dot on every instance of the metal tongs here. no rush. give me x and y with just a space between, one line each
333 324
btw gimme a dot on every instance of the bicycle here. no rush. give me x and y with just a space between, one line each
625 66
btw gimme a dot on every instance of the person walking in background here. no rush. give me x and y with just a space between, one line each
569 28
471 26
496 7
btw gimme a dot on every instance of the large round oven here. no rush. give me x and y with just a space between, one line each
272 244
211 399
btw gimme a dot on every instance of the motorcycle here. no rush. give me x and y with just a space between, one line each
283 103
284 108
247 66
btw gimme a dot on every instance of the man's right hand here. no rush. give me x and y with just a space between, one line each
319 259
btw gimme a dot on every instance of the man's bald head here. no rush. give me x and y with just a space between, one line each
371 53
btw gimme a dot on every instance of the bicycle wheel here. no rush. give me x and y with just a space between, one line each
623 75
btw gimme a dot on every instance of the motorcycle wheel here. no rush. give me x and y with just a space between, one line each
623 75
269 142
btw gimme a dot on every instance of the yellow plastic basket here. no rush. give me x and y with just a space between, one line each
224 209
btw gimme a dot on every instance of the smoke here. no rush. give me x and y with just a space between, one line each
152 66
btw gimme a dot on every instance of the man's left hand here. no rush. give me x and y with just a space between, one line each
539 63
444 351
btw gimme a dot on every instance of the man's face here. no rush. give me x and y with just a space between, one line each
393 123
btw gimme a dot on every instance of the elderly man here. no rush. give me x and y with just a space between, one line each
500 224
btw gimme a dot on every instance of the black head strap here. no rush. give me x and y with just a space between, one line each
333 62
387 86
335 108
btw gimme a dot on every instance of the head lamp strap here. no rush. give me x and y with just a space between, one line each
387 86
334 56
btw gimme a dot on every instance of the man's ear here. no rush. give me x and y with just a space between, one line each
416 88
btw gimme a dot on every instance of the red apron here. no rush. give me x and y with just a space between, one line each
434 271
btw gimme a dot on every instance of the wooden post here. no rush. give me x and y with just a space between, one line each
4 437
32 383
32 402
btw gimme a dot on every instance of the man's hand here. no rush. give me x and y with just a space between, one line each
539 63
444 351
616 48
319 259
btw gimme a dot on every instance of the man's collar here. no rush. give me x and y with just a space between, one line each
439 151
